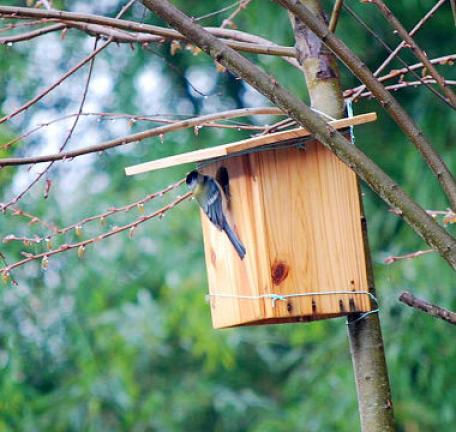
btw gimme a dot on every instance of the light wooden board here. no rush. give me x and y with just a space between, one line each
229 149
298 214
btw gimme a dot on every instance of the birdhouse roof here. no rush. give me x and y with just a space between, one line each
240 146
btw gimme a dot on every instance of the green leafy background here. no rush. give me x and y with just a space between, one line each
121 339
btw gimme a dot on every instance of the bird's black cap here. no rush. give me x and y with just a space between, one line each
191 177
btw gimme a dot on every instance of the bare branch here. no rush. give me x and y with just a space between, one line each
158 131
448 59
9 40
405 84
54 231
415 30
335 15
121 36
449 216
132 118
16 25
399 58
75 122
32 218
5 271
396 24
444 60
429 308
218 12
229 21
55 84
392 259
248 43
18 197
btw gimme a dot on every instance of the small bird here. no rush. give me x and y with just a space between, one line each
210 196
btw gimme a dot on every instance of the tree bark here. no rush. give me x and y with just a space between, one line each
366 343
319 65
429 308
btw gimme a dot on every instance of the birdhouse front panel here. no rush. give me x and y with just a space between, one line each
297 211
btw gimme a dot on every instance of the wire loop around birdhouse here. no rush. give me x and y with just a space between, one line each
283 297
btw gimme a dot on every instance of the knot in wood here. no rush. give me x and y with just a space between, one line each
279 272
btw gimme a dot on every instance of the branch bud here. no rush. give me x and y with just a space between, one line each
81 251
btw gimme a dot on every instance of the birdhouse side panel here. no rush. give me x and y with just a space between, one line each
230 278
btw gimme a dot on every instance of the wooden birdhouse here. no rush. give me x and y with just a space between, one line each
296 209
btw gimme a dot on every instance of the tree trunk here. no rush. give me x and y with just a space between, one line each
319 66
366 342
368 357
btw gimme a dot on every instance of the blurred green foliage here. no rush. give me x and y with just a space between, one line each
121 339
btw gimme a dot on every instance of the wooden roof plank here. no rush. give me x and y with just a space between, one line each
231 148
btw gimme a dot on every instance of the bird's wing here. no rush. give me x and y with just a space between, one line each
214 206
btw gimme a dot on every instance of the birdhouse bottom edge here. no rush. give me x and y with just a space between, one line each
276 309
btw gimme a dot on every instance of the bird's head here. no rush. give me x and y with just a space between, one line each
192 179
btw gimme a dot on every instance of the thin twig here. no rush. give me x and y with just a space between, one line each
5 271
405 84
9 40
429 308
75 122
55 84
15 25
419 53
449 216
229 21
217 12
392 259
68 73
19 196
140 136
16 211
414 30
335 15
389 49
102 217
132 118
254 44
263 45
448 59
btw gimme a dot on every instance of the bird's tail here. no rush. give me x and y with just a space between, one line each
240 249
